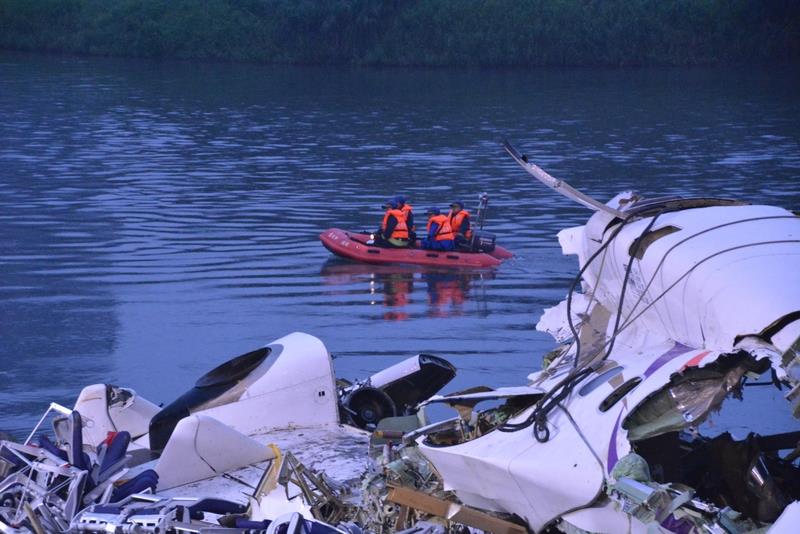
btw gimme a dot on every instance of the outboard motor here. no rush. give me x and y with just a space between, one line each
394 391
482 241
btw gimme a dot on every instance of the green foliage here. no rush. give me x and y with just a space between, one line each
412 32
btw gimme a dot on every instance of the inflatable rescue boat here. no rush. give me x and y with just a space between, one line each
354 246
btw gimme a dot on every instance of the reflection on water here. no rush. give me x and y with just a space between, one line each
158 218
447 293
397 288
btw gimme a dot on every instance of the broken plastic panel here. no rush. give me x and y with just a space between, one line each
395 391
755 475
471 425
690 397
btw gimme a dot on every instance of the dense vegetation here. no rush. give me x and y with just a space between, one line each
420 32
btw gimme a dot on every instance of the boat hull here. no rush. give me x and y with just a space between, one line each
353 246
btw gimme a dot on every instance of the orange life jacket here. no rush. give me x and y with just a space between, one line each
406 209
456 221
444 232
401 229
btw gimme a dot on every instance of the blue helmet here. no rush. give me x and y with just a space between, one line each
457 203
434 211
392 203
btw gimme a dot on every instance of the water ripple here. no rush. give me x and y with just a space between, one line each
156 221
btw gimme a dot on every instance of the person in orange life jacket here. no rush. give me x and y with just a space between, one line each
406 208
408 211
393 231
459 223
439 235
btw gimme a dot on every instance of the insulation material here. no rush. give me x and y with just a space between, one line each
632 466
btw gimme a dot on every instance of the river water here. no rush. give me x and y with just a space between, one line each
159 218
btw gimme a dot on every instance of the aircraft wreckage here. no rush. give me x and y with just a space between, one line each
680 305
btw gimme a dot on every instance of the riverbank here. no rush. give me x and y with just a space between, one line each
418 32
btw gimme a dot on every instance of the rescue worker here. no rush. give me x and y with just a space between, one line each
393 231
408 210
459 223
438 234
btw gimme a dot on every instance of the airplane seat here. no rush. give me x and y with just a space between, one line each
70 430
145 480
45 443
111 455
215 506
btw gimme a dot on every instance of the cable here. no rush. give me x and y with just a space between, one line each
628 269
684 240
689 271
586 441
575 281
559 392
628 320
562 390
538 417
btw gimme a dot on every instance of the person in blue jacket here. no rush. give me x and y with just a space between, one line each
439 235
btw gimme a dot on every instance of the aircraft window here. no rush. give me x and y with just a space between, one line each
618 393
233 370
599 380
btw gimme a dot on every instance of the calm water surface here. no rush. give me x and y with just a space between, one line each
159 218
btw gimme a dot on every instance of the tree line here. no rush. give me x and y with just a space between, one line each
412 32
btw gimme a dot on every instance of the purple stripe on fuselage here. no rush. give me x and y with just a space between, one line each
662 360
674 352
612 445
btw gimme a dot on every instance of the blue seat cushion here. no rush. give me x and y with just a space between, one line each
142 481
115 452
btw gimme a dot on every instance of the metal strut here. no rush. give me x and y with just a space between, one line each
325 503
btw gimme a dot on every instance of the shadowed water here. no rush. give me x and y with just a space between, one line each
159 218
